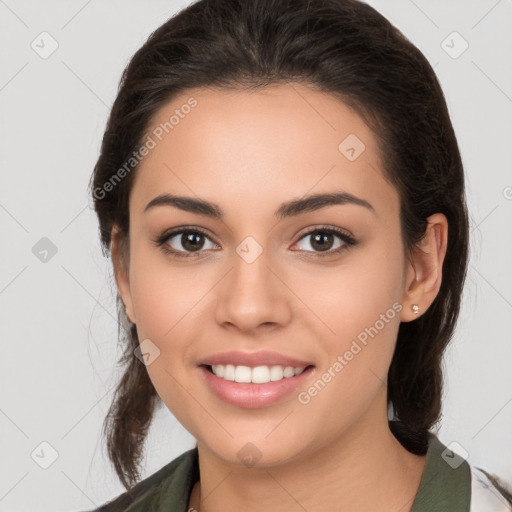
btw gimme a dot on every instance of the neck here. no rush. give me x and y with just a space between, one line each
366 468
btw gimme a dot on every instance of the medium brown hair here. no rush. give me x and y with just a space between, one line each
343 47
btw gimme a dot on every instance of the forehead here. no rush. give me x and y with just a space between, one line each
256 148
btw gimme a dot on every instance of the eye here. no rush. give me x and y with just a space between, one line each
183 242
323 239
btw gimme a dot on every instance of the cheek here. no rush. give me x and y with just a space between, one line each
168 309
354 368
163 302
351 296
163 295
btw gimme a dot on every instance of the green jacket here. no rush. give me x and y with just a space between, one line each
448 484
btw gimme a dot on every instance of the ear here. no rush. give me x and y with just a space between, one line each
424 268
120 262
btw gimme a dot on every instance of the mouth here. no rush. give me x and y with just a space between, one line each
254 379
253 387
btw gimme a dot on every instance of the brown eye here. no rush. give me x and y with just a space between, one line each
184 242
323 240
192 241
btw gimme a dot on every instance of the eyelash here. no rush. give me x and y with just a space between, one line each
348 241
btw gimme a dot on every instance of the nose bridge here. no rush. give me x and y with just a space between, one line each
251 294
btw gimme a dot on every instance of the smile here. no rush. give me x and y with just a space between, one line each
254 387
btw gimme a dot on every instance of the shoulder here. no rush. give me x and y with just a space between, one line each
487 493
450 482
167 489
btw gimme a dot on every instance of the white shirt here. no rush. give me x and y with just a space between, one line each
484 496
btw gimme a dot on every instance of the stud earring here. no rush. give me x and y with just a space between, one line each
415 309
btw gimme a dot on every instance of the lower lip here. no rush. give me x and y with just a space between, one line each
253 396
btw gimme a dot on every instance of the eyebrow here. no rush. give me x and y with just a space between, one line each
289 209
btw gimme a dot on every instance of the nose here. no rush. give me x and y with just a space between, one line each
254 295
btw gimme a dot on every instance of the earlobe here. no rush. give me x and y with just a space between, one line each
120 265
424 271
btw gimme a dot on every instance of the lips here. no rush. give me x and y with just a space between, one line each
253 359
254 395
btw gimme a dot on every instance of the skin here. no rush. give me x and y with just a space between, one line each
249 152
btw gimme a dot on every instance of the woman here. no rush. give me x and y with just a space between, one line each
282 195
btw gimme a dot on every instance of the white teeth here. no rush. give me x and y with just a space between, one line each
229 372
289 371
242 374
260 375
256 375
276 373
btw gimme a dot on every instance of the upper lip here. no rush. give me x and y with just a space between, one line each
252 359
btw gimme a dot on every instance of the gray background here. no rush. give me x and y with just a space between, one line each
58 319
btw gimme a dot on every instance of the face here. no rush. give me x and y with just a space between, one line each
319 285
